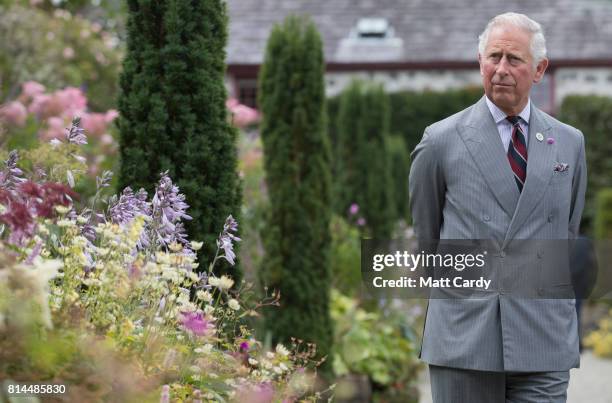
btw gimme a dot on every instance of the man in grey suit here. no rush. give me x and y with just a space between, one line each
504 171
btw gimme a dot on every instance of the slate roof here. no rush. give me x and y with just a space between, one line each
430 30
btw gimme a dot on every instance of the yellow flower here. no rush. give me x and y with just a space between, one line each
223 283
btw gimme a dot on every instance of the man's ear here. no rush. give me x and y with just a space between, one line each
540 69
480 63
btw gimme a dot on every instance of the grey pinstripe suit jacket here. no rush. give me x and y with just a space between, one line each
462 187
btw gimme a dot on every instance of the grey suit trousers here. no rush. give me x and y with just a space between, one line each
455 385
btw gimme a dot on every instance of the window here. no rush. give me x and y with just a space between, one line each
541 94
373 28
247 92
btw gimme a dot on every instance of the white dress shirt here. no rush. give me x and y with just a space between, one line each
504 127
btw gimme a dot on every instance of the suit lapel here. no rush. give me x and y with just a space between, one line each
540 160
481 137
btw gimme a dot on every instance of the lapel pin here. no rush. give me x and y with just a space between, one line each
539 136
550 140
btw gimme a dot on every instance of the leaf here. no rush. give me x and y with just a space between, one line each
70 178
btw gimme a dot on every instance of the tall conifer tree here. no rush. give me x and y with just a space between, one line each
297 164
365 172
172 111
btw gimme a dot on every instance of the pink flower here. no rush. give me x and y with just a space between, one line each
111 115
95 124
14 113
107 139
55 128
242 115
361 221
196 323
38 106
165 394
30 89
262 393
72 101
354 209
68 53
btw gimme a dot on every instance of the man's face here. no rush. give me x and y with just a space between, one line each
507 68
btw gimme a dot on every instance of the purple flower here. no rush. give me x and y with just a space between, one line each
165 394
226 237
550 140
354 209
361 221
244 346
76 134
10 176
169 208
196 323
104 180
262 393
128 206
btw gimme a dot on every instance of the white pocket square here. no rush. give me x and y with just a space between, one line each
560 167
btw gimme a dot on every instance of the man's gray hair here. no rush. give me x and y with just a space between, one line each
538 42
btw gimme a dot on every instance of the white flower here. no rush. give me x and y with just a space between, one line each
233 304
223 283
55 142
204 296
282 350
253 361
205 349
195 369
193 276
196 245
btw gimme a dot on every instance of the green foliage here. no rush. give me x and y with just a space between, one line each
173 114
297 165
58 50
345 259
593 116
363 167
414 111
367 343
400 167
603 216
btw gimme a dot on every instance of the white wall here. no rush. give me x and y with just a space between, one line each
583 81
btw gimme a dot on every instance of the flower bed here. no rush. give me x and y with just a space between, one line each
109 299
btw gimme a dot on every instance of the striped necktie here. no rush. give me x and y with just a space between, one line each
517 152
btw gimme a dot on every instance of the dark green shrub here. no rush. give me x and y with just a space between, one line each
593 116
297 165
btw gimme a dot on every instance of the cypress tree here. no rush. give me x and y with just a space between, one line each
378 202
297 164
349 178
365 173
400 167
172 111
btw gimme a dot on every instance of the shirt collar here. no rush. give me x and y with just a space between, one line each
499 115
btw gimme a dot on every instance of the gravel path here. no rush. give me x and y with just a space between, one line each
591 383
